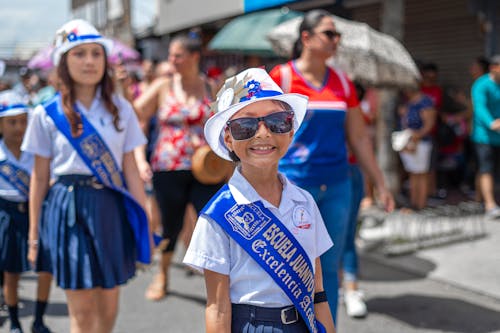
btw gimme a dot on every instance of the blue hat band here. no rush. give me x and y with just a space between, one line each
72 37
260 94
4 108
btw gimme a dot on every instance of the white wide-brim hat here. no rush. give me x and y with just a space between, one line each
250 86
74 33
11 104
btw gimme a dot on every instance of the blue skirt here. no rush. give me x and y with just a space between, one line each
14 225
85 240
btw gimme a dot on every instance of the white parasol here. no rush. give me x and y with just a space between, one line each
364 54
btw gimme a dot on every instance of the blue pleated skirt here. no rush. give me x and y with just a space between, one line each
14 225
85 240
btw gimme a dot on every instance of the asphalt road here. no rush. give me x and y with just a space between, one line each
398 301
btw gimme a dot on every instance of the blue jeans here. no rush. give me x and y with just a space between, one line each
334 204
349 256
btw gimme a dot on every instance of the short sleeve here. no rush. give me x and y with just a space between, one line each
209 247
134 135
37 139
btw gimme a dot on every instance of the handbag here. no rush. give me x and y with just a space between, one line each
209 168
400 139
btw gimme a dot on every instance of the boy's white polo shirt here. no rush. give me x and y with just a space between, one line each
213 249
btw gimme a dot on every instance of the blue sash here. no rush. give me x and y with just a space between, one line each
97 156
16 176
262 235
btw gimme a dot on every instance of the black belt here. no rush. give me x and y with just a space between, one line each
286 315
21 207
80 180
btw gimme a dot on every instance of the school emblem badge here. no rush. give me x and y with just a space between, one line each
247 220
301 217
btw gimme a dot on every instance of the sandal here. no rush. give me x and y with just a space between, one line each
157 290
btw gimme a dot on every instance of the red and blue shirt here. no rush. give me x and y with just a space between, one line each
318 153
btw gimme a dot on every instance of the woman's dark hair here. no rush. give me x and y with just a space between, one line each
484 63
311 20
190 41
68 97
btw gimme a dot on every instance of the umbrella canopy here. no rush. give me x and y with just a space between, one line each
42 60
364 54
121 52
247 34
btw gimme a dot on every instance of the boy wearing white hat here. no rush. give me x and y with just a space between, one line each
89 226
15 169
259 239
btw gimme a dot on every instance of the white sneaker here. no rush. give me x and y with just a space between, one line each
354 304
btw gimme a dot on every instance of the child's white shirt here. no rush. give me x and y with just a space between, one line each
213 249
44 139
25 162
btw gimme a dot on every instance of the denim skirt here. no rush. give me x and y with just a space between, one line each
14 225
256 319
85 240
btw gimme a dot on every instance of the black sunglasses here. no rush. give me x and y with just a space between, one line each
245 128
331 34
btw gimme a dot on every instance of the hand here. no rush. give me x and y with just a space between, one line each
385 198
32 253
144 170
495 126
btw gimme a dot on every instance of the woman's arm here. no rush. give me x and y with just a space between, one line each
143 165
39 185
361 146
322 310
147 103
429 120
218 309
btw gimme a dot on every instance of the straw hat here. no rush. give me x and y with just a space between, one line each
74 33
208 168
250 86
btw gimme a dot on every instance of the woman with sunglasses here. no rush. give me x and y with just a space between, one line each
181 104
259 239
89 226
317 159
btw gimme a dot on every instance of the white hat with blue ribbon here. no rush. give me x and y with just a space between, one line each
11 104
74 33
250 86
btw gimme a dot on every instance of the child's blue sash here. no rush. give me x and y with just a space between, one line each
15 176
262 235
97 156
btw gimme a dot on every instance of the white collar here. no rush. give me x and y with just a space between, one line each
244 193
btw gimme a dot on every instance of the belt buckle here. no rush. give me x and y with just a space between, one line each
21 207
95 184
284 315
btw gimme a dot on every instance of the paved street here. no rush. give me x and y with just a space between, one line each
399 300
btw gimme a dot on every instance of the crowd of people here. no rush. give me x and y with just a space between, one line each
92 151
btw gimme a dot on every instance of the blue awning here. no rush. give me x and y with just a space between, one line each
253 5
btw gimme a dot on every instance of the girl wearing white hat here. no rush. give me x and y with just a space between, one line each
259 239
89 227
15 169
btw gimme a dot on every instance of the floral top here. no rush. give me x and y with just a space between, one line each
180 133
